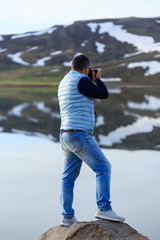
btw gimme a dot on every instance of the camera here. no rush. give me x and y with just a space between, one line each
92 73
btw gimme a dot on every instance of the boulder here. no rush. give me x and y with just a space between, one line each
95 230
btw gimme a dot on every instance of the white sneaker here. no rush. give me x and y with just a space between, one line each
109 215
68 222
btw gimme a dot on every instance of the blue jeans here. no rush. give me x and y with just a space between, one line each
78 147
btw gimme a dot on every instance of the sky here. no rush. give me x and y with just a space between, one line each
19 16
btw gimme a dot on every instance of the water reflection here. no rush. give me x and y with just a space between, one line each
121 121
30 187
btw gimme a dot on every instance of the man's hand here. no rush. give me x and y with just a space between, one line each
98 75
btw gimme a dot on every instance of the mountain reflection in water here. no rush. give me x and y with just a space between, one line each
121 121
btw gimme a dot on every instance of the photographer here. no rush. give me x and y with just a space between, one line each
76 94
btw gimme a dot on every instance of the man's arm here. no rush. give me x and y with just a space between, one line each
89 89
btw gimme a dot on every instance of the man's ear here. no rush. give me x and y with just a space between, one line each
86 70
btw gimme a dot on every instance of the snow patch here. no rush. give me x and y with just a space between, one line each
157 146
157 21
84 43
3 50
55 70
38 33
77 53
142 43
41 107
1 38
100 47
142 125
111 79
122 65
56 53
135 115
152 103
1 129
127 55
35 120
153 67
100 121
93 26
67 64
157 56
2 118
17 58
114 90
41 62
17 110
32 49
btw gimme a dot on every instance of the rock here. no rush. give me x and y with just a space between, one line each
96 230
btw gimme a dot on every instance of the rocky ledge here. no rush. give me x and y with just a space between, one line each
96 230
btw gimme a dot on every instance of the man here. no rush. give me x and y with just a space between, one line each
76 96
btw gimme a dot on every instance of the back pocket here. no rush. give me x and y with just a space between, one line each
73 143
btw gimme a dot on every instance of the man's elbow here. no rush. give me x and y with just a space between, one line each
105 95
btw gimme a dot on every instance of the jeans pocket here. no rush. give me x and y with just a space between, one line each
74 144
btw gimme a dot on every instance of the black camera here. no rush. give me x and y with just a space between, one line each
92 73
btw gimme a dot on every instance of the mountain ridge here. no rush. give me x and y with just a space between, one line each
77 37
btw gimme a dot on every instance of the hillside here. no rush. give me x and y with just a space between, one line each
117 45
128 53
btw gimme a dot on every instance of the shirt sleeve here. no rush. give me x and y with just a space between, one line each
89 89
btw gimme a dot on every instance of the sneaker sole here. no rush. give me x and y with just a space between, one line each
108 218
65 225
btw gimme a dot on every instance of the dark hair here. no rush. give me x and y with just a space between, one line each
79 62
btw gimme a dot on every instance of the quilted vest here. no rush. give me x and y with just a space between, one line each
76 109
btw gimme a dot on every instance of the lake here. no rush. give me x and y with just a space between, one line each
129 118
30 175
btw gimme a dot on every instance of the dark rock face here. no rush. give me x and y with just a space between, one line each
77 37
96 230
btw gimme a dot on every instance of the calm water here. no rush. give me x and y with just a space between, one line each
129 118
30 175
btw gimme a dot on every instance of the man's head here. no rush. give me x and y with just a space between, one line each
81 64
